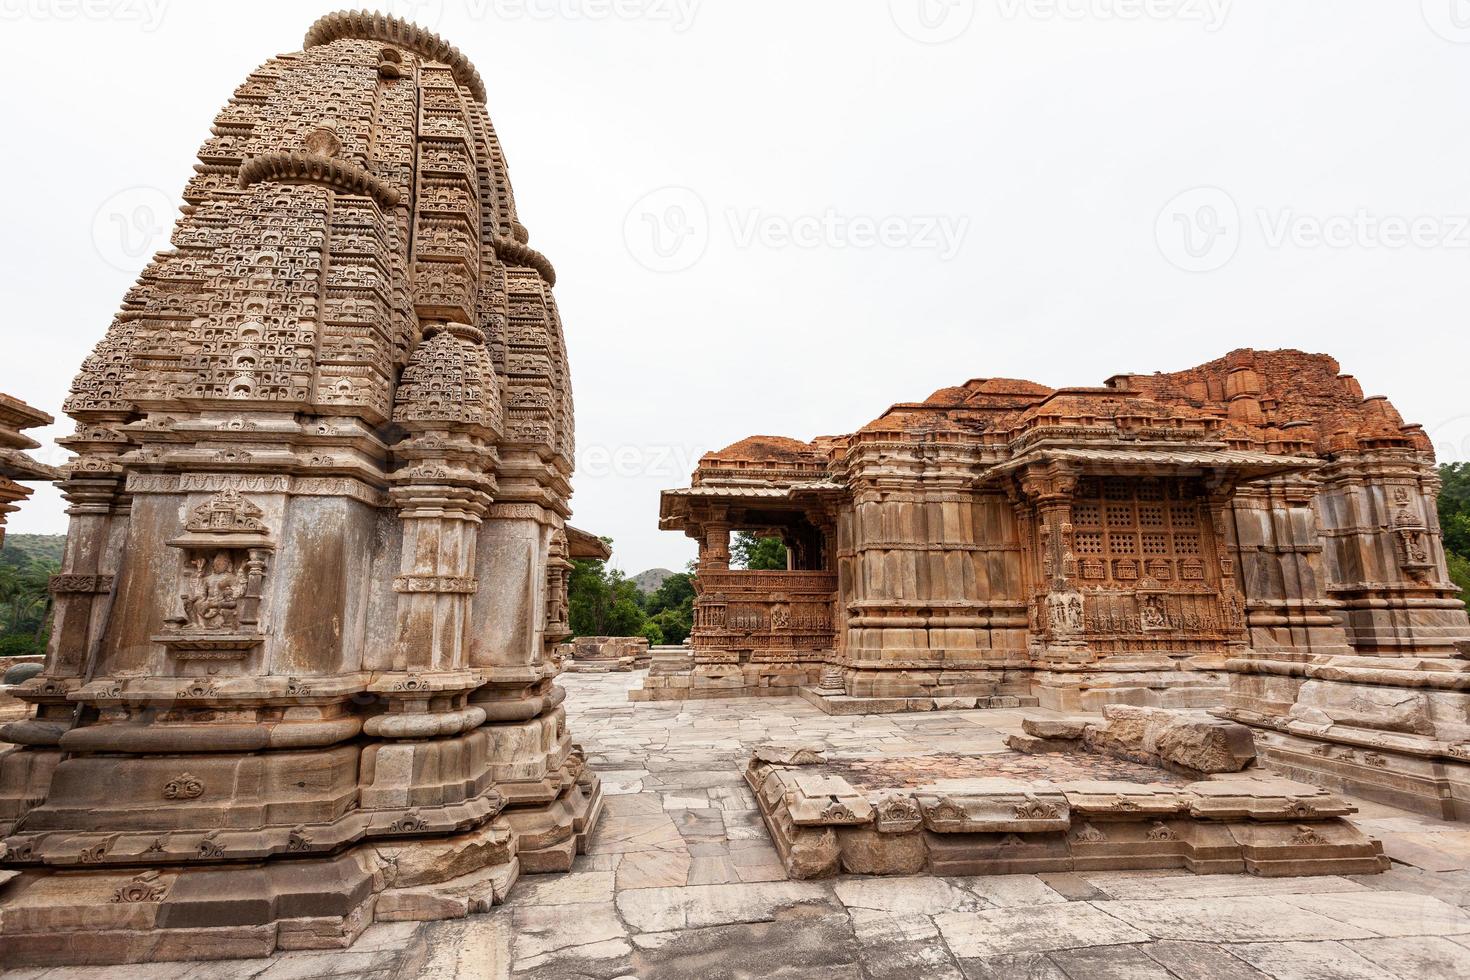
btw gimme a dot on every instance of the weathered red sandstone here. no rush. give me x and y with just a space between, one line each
1251 536
301 675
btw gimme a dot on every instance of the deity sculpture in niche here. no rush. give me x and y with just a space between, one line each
222 577
213 602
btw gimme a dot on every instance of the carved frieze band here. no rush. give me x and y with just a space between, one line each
65 584
449 584
142 483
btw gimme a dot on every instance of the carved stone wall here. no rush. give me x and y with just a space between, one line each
317 547
1252 535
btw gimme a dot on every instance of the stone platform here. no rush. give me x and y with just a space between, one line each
1014 813
680 880
604 654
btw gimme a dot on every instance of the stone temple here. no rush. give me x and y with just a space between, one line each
301 674
1251 536
314 602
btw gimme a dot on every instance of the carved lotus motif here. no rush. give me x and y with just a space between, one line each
96 852
1088 834
1300 808
1306 835
947 810
838 813
1034 809
183 787
144 888
1160 832
409 823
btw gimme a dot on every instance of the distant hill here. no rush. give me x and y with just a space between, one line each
22 549
649 581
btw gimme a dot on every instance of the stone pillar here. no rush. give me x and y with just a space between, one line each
714 547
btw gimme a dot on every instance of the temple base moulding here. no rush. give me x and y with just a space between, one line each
246 910
1435 787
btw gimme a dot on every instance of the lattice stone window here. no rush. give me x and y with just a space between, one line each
1125 529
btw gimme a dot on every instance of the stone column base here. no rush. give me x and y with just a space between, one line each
232 911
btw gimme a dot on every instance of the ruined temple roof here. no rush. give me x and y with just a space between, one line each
765 448
16 415
1285 403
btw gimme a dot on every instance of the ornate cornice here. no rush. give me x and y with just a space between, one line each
298 167
513 252
368 26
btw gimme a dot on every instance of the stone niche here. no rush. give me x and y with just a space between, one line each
223 555
302 675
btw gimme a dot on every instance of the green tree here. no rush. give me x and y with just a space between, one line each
757 554
675 591
603 602
25 605
1454 519
671 608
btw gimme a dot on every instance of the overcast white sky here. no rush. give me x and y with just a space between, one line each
780 216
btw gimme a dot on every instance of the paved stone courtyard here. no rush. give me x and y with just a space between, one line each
681 881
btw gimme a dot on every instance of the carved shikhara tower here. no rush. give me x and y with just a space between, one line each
1251 536
300 675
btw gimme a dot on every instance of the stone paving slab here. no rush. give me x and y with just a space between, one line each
681 881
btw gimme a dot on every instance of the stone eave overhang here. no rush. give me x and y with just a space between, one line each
674 505
584 545
16 465
1222 463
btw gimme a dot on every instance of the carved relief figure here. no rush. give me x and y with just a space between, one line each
214 599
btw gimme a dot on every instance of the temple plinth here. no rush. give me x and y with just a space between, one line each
301 676
1252 536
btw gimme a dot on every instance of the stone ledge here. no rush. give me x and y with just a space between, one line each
821 824
844 704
